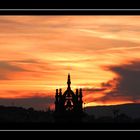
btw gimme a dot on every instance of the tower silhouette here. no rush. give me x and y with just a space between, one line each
68 103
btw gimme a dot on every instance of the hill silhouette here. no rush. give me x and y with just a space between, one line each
129 113
126 116
132 110
20 114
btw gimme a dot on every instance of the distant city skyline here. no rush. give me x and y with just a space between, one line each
102 54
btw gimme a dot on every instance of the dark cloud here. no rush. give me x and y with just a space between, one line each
110 83
26 61
128 82
36 102
93 89
8 67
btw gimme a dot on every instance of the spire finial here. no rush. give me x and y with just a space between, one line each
69 81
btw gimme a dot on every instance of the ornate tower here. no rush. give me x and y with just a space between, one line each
68 102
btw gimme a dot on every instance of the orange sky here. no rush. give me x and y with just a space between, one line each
37 53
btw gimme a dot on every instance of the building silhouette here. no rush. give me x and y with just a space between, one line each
68 104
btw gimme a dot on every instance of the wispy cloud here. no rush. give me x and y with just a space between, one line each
37 52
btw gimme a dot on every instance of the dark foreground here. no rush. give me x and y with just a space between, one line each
18 118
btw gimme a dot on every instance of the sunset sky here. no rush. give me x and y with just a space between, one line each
102 54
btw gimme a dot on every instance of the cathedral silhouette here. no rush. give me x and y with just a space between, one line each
68 104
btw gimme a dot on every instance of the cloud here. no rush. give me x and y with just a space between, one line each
3 77
7 67
25 61
127 83
94 89
46 48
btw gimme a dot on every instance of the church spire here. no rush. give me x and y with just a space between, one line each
69 81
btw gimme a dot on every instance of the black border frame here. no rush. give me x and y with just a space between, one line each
69 127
